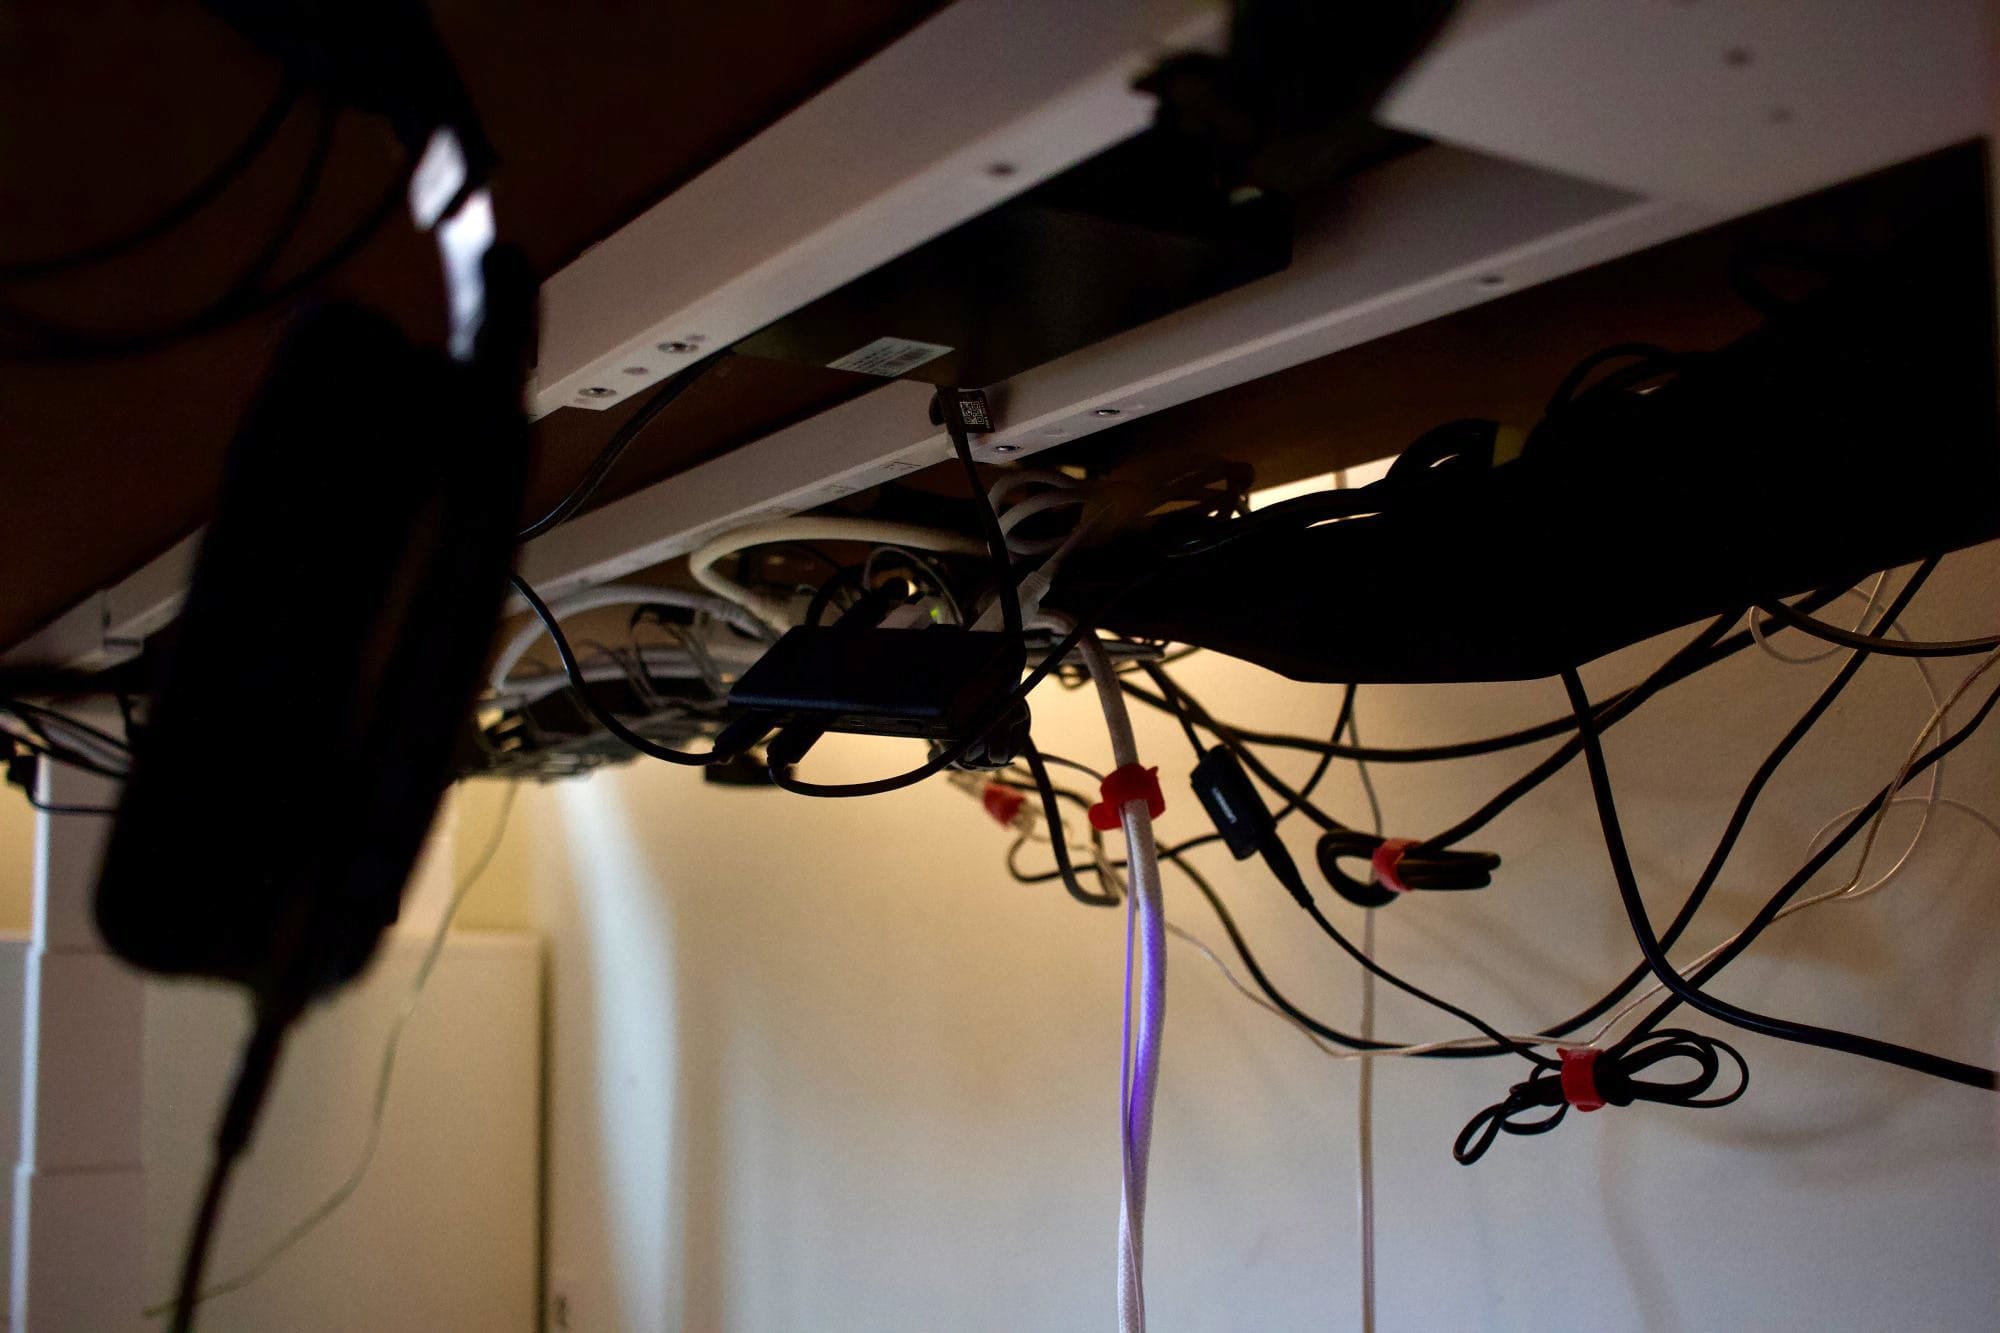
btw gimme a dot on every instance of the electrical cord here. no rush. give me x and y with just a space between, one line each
211 186
255 1069
1846 638
621 439
257 1267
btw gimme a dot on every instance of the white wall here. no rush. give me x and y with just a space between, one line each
819 1064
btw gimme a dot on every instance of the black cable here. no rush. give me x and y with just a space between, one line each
994 712
1325 761
1873 643
210 187
1642 929
254 1071
49 809
1813 865
1740 816
1559 758
1187 710
989 524
607 458
1053 818
1674 669
28 712
1566 388
605 718
822 598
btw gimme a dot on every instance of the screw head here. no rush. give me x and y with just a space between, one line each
1006 448
677 348
1107 412
596 391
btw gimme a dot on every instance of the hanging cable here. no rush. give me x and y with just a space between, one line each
621 439
1690 991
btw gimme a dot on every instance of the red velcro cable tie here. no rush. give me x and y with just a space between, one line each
1003 803
1388 861
1579 1079
1130 783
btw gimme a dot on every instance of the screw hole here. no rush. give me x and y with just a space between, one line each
1492 280
596 391
677 348
637 370
1001 170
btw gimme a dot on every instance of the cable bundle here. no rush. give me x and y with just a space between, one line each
1589 1079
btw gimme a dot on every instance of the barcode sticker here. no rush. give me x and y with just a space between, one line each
889 357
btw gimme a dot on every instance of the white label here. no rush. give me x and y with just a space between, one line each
889 357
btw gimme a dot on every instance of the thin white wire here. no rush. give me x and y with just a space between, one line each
386 1071
1852 889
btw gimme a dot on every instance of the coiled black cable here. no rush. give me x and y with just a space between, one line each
1615 1076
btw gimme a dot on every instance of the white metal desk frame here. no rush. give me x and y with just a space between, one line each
1569 132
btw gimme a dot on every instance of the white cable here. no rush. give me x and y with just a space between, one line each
619 594
1015 515
1145 944
384 1073
811 528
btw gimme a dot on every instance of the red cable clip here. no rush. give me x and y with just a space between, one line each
1388 862
1130 783
1579 1079
1003 803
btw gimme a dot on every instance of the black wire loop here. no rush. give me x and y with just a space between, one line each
1616 1073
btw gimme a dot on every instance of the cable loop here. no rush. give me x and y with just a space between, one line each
1589 1079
